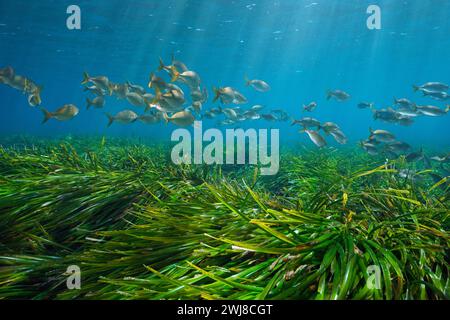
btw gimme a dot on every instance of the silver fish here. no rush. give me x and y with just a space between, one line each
339 136
404 103
389 114
230 113
433 86
66 112
136 99
441 159
315 137
369 147
208 115
225 94
182 118
328 127
404 120
269 117
251 115
364 105
257 107
432 111
95 90
171 101
227 122
398 146
123 117
310 107
437 95
135 88
120 90
407 112
148 118
338 95
307 123
101 82
381 135
216 111
258 85
281 114
239 98
190 78
97 102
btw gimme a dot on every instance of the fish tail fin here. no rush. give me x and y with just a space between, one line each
88 103
110 118
247 80
175 74
375 114
85 78
329 95
161 64
148 105
371 130
216 94
158 95
150 82
110 88
415 88
47 115
166 117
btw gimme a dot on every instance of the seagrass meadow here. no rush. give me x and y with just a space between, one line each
140 227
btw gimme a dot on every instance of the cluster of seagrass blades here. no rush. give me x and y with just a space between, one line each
140 227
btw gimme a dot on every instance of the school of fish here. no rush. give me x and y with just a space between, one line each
181 100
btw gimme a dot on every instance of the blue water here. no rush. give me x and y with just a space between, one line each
301 48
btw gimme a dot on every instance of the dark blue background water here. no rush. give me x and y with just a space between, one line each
301 48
